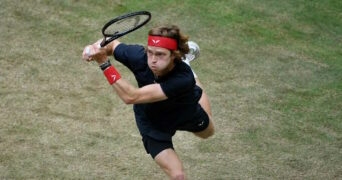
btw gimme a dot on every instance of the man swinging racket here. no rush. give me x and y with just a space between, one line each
169 96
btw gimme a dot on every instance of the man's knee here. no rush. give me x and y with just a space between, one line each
209 131
177 175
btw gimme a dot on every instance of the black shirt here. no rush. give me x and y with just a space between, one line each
161 119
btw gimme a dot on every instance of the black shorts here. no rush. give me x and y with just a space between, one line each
156 140
198 123
154 147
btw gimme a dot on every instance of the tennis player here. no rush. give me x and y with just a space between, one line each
169 97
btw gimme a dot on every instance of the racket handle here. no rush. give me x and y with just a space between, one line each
103 43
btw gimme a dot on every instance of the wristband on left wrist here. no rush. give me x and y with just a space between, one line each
111 74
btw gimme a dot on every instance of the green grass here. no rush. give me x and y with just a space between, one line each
272 70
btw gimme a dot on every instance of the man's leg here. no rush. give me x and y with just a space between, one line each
205 103
170 163
164 155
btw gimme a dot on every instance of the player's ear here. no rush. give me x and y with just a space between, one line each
172 55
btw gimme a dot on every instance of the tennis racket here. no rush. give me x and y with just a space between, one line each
123 25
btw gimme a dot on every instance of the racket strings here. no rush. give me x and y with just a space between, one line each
126 24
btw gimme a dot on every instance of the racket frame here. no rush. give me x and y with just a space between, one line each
111 37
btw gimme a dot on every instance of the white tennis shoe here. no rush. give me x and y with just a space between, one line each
194 52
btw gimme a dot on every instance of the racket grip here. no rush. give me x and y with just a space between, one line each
103 42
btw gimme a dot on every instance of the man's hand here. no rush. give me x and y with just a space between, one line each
95 52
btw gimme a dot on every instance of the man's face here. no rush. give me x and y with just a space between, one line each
159 60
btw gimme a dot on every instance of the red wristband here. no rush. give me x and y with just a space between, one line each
111 74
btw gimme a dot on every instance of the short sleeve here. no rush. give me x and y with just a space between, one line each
130 55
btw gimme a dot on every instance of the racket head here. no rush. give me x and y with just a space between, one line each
123 25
